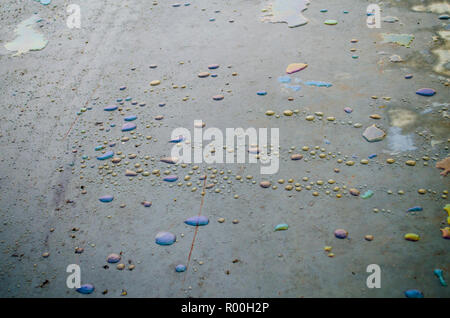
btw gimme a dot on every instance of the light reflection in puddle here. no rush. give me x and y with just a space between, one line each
402 118
400 39
443 54
398 142
437 7
404 122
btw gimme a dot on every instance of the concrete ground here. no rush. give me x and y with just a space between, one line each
49 191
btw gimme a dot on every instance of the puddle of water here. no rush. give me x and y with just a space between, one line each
437 7
400 39
406 121
27 39
287 11
443 54
295 88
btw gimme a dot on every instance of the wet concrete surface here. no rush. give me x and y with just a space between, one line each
42 178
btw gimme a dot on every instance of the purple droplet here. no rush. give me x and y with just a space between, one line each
177 140
113 258
197 220
110 108
130 118
340 233
128 126
426 92
106 198
106 155
218 97
171 178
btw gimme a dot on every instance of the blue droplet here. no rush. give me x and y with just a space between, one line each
171 178
106 155
426 92
180 268
106 198
415 209
130 118
128 127
86 289
284 79
413 293
177 140
165 238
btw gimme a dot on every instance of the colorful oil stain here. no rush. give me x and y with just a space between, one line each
284 79
27 39
367 194
440 275
318 84
400 39
287 11
295 88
